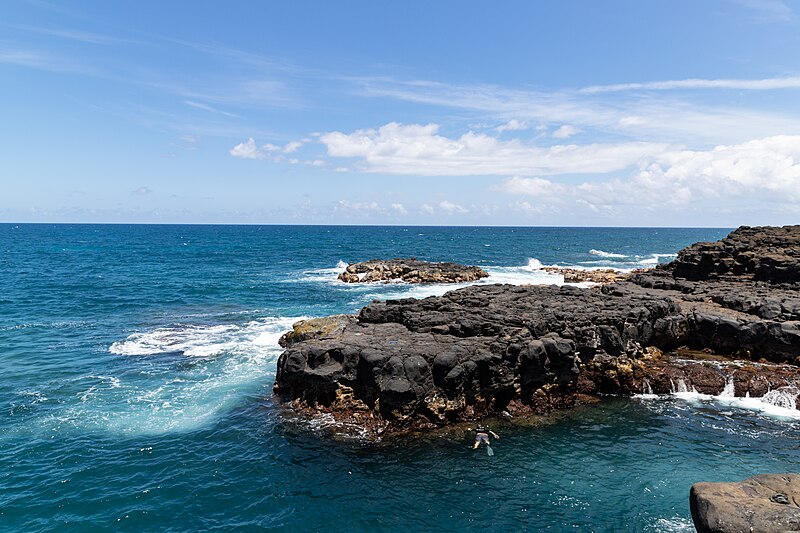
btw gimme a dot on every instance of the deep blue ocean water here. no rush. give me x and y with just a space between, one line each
137 364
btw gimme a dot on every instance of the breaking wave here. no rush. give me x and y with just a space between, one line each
601 253
218 366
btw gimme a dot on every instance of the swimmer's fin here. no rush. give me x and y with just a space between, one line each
489 450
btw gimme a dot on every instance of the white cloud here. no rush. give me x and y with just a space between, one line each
513 125
426 209
247 150
358 208
451 208
142 191
635 115
210 109
765 84
250 150
400 209
419 150
758 172
565 131
292 147
536 187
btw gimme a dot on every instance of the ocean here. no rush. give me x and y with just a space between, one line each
137 365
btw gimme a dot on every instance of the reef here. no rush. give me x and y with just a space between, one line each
410 270
723 316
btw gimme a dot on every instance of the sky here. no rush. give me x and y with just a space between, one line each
569 113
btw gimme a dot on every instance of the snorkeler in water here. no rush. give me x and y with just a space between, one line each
482 436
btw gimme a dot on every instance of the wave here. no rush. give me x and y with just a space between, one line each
531 273
147 394
601 253
778 403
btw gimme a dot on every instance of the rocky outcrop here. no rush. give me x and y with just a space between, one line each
760 254
600 275
410 270
483 350
760 504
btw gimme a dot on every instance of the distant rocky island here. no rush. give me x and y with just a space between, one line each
722 317
410 270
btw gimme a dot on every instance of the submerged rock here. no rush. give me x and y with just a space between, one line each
485 349
760 504
410 270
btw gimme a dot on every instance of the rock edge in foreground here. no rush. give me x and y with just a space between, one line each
764 503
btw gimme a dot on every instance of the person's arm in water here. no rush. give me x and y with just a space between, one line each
495 435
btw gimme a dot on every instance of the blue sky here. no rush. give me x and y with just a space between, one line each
617 113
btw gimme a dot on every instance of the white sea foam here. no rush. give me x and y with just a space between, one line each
601 253
779 403
528 274
156 395
190 340
675 524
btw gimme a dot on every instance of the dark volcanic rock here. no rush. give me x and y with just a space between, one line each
410 270
482 350
763 254
761 504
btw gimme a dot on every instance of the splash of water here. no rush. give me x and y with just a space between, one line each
783 397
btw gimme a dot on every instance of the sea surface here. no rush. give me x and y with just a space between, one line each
137 364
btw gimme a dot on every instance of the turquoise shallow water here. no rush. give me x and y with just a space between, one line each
137 364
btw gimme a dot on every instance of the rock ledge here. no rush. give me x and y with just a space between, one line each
765 503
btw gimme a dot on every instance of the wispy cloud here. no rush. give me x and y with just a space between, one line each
76 35
210 109
765 84
674 118
770 10
44 61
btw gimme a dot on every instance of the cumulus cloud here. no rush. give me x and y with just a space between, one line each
513 125
400 209
417 149
426 209
536 187
142 191
250 150
452 208
358 208
565 131
247 150
762 170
